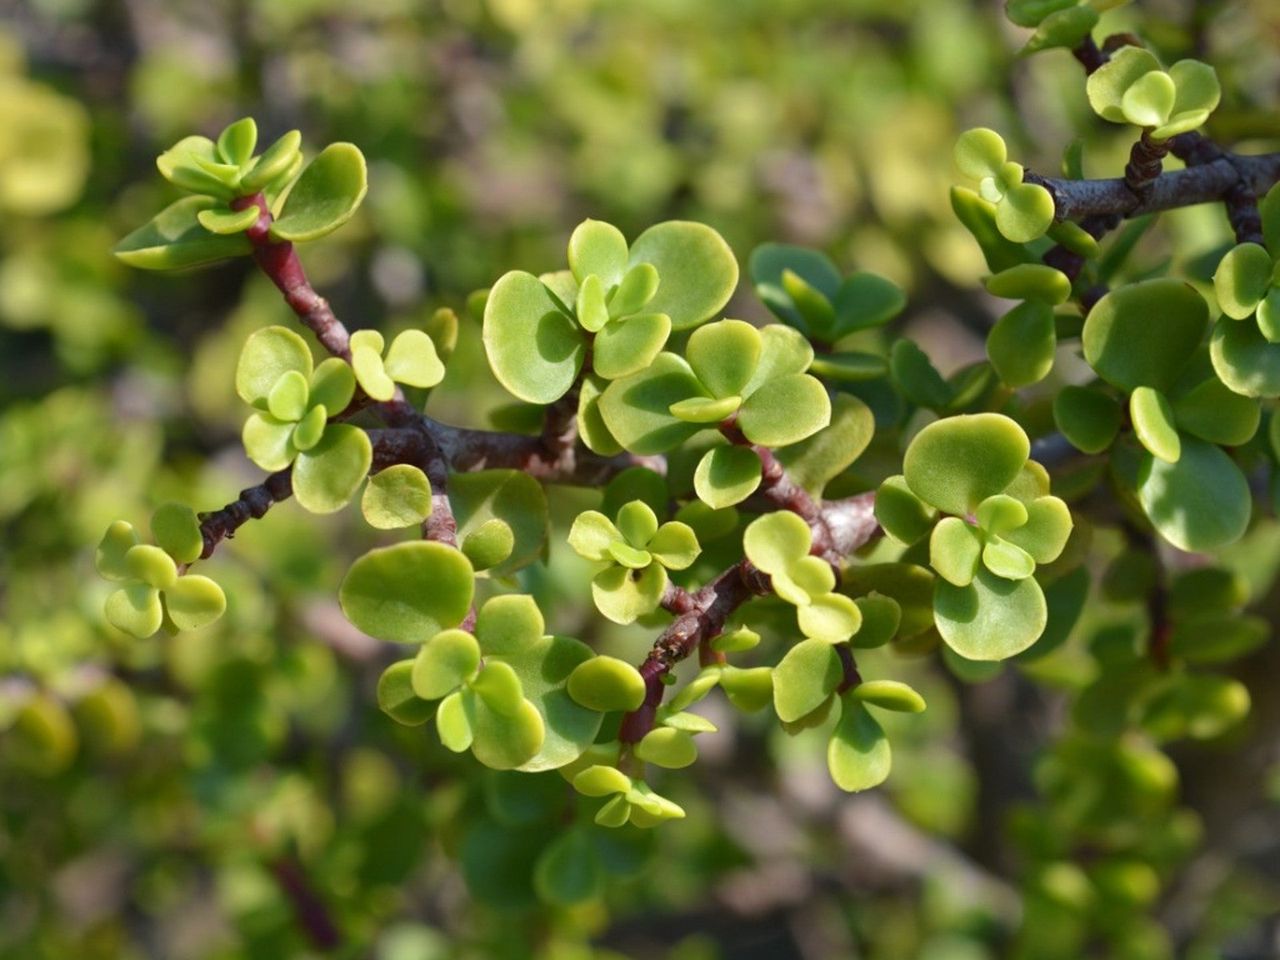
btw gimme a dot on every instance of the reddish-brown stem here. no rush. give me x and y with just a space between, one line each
309 910
252 504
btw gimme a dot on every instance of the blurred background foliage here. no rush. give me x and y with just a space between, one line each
236 793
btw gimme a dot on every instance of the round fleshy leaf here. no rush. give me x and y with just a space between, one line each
194 602
865 300
385 592
785 411
274 161
705 409
332 385
749 690
1025 213
504 741
453 723
622 595
814 462
813 575
1245 361
544 667
1021 345
307 432
630 557
627 346
591 534
913 374
637 409
980 153
268 442
325 196
174 239
1153 423
637 523
287 400
568 872
675 545
1218 639
601 781
956 463
697 270
770 261
1000 514
697 688
804 678
606 684
326 477
777 540
1031 281
267 356
1107 85
1128 350
637 288
176 529
444 663
237 140
833 618
499 687
109 560
881 617
902 514
1197 86
591 426
598 248
396 697
889 695
1044 535
135 609
1062 28
735 640
511 496
1242 279
1268 315
992 618
726 475
849 366
193 164
724 356
488 544
955 550
783 352
1087 417
666 747
1213 412
1202 502
590 306
1007 560
396 497
413 361
534 348
226 222
858 756
509 625
151 565
1148 101
816 309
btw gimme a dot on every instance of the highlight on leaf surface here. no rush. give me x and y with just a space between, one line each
1023 211
1132 88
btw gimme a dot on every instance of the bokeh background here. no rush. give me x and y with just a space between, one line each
235 793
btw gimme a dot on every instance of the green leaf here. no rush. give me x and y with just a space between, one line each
1200 503
629 556
591 426
724 356
979 218
177 530
601 781
705 410
534 347
488 544
151 565
1025 213
1107 85
306 433
628 346
1201 706
727 475
785 411
225 222
190 165
544 667
194 602
396 697
1007 560
568 871
1242 279
332 385
1152 417
816 309
636 409
135 608
889 695
591 535
1062 28
858 756
1211 411
276 160
1128 350
916 377
1247 363
881 617
992 618
109 560
174 239
443 663
413 361
816 461
452 722
509 625
590 306
287 400
622 595
1031 281
268 442
865 300
956 463
776 540
850 366
637 288
502 741
325 196
1029 13
767 264
607 683
902 514
511 496
396 497
666 747
955 550
1000 514
1087 417
1148 101
237 140
598 248
1045 533
499 688
980 153
268 355
675 545
326 477
697 270
804 678
832 617
784 352
383 593
1021 345
637 522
